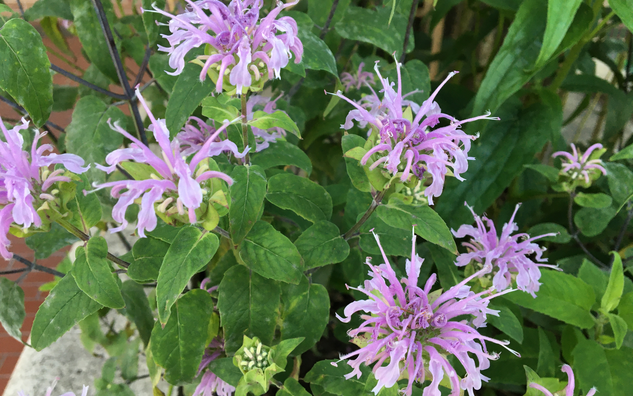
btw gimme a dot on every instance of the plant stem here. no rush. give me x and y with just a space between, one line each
244 117
414 8
222 232
625 226
374 204
85 83
326 27
141 72
32 266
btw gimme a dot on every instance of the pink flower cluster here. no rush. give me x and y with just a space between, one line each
358 80
578 166
238 42
569 389
411 146
175 181
408 329
506 254
25 179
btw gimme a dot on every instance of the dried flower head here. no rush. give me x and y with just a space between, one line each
240 47
506 254
173 181
406 327
569 389
408 145
578 166
25 179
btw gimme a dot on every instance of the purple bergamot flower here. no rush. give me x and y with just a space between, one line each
569 389
25 179
409 329
409 145
357 80
507 255
211 384
578 165
175 182
240 47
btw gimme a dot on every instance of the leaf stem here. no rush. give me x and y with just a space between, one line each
374 204
32 266
85 83
414 8
244 116
326 27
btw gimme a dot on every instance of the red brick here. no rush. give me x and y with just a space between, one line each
32 306
3 382
9 344
9 363
39 277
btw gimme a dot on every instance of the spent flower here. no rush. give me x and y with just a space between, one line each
569 389
406 326
581 167
25 179
507 254
412 146
240 47
173 181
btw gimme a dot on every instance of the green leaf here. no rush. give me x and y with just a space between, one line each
226 370
549 172
355 171
179 346
64 97
591 368
619 327
269 253
292 387
428 224
552 384
248 305
159 65
319 10
93 41
507 5
415 76
217 111
316 54
512 66
546 358
282 153
301 195
190 252
247 197
306 312
332 378
322 244
625 153
89 134
625 309
612 295
505 147
592 222
12 311
24 69
597 201
51 29
394 241
445 264
369 26
507 322
624 10
86 208
279 118
620 180
561 296
186 96
148 257
547 228
46 243
594 277
94 275
48 8
621 366
560 14
64 307
137 309
151 19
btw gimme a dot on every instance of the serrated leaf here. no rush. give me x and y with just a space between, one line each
619 327
269 253
613 293
282 153
306 312
292 387
247 197
592 221
148 256
591 368
190 252
597 201
507 322
620 180
86 208
64 307
12 311
185 97
301 195
24 70
219 112
561 296
94 276
322 244
424 220
278 119
46 243
179 346
248 305
316 54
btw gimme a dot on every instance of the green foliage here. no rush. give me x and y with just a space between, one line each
12 311
247 198
302 196
185 97
322 244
